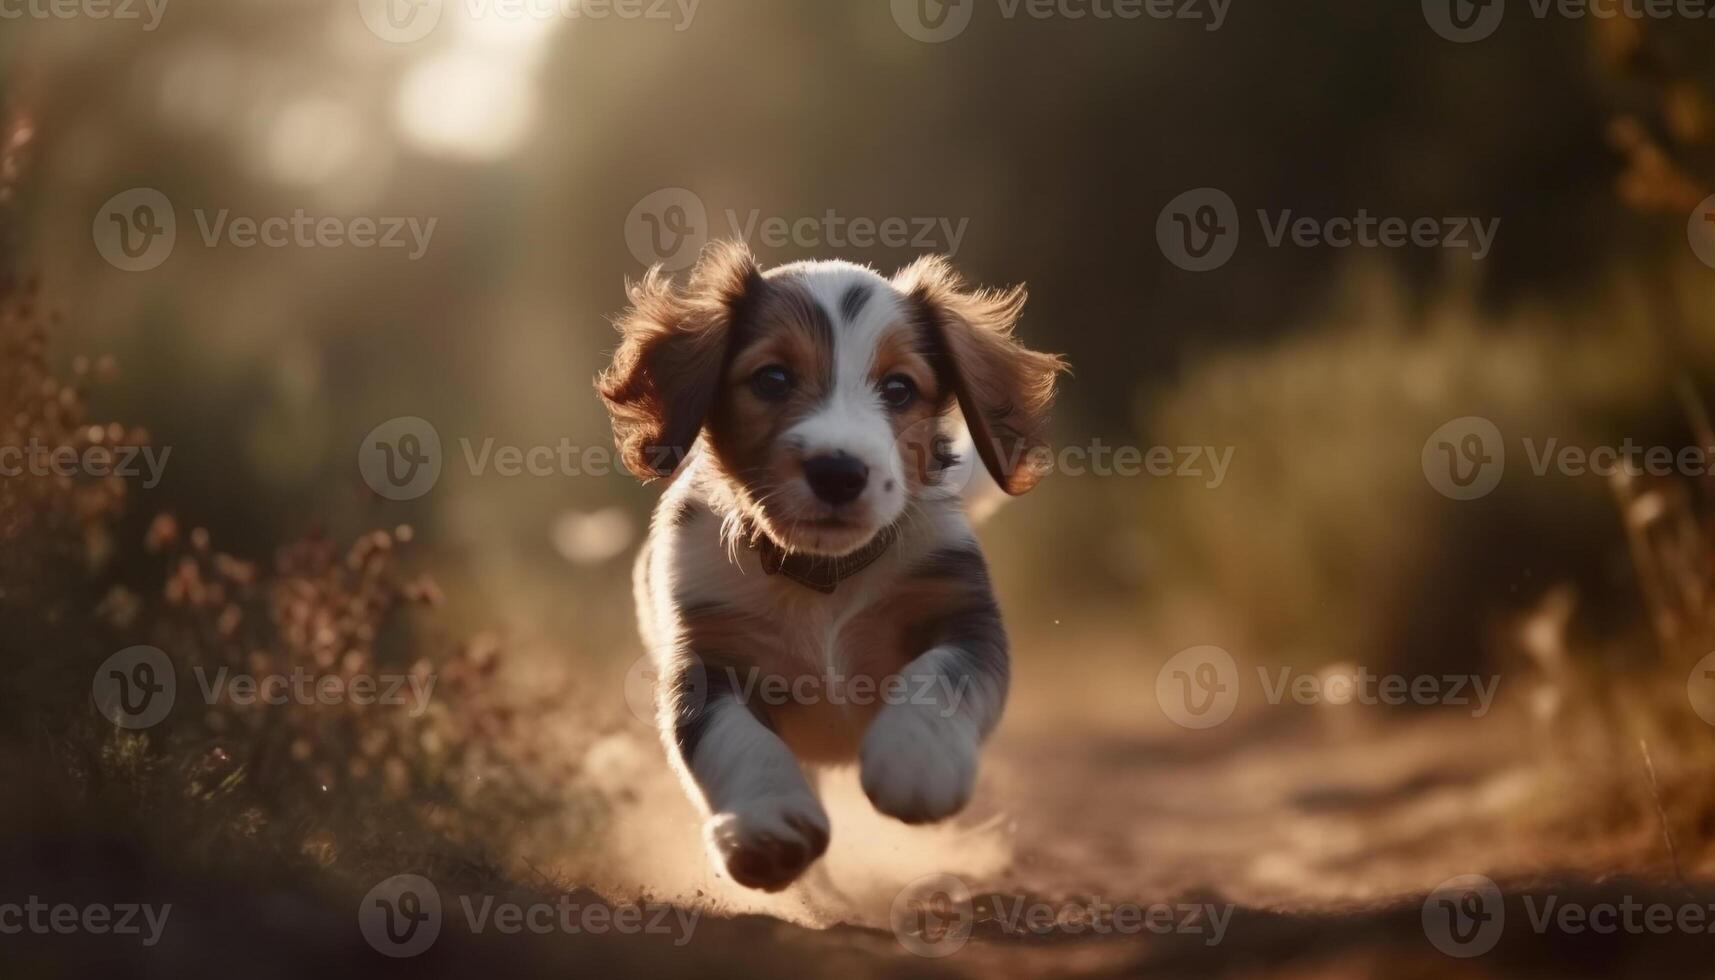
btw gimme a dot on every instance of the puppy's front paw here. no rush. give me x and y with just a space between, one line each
918 764
767 843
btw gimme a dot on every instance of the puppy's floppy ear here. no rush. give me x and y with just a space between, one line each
673 352
1004 388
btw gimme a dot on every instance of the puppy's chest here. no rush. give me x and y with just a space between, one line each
801 632
731 607
819 669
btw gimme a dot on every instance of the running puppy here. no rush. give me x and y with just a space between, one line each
810 590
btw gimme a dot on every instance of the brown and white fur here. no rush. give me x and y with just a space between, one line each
816 469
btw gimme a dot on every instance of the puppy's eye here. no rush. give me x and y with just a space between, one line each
771 383
898 391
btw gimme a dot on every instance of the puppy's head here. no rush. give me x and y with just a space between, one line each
821 388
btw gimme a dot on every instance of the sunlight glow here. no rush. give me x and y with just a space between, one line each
313 140
593 538
524 36
467 104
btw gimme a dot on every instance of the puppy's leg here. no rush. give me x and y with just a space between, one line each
918 759
764 824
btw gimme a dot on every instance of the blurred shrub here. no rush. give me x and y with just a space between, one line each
1327 534
305 780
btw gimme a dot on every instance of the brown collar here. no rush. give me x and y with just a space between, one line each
818 572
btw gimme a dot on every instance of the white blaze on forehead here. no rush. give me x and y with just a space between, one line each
856 337
852 418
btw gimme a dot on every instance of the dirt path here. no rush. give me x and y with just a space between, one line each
1293 845
1299 847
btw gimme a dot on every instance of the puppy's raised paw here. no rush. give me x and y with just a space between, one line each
767 843
918 764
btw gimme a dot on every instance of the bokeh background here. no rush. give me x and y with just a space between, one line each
536 145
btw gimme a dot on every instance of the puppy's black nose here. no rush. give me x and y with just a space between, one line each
837 479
